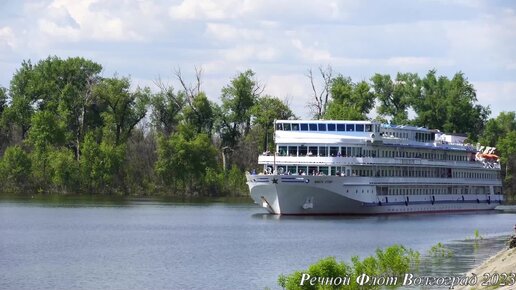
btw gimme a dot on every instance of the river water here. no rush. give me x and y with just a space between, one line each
154 245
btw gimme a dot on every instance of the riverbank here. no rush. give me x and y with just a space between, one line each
506 208
117 199
497 272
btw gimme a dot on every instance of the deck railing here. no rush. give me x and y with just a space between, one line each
342 161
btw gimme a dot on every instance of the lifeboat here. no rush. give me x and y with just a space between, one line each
489 156
486 156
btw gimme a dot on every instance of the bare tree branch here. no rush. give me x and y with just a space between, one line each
320 98
198 76
191 91
167 89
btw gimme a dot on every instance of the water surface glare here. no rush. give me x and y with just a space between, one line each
199 246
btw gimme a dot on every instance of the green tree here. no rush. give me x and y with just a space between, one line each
463 114
165 108
60 86
430 105
64 170
237 100
350 101
15 168
395 97
124 108
46 132
265 111
497 128
200 114
22 99
499 133
449 105
3 100
507 148
184 158
235 181
100 164
4 128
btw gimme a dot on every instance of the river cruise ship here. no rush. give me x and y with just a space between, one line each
364 167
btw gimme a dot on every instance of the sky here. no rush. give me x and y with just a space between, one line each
280 40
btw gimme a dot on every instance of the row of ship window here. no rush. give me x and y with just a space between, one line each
317 127
347 151
386 172
324 151
427 155
418 136
427 190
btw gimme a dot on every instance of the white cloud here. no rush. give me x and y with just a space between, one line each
312 54
293 87
491 40
407 63
260 9
279 40
501 96
226 32
96 20
7 37
207 9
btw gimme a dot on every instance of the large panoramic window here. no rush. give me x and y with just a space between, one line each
331 127
322 127
323 151
303 150
295 127
341 127
292 150
304 127
282 150
350 127
286 127
279 126
313 127
312 150
360 127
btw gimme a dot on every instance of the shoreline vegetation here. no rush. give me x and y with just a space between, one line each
389 267
67 129
119 199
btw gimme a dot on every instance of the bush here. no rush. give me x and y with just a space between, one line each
393 261
64 169
15 167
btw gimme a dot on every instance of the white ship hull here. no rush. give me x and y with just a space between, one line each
333 195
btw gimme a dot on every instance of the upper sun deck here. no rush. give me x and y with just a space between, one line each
359 132
324 131
327 126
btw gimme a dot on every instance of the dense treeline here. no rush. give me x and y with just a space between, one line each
64 128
